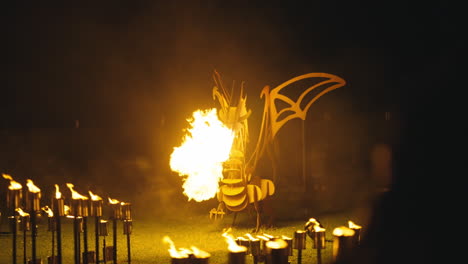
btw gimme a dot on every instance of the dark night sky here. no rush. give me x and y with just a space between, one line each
131 68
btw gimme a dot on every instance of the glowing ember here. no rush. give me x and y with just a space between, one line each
232 245
352 225
32 188
205 147
343 231
75 194
14 185
172 249
58 194
66 209
94 197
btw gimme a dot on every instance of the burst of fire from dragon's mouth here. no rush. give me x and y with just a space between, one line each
200 157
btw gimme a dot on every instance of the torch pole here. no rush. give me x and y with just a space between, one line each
33 234
24 246
85 239
14 232
59 238
96 233
114 230
129 258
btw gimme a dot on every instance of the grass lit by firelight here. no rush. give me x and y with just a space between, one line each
147 245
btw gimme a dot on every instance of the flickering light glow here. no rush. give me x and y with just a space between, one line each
14 185
75 194
21 212
232 244
48 211
200 157
343 231
173 252
58 194
352 225
31 187
94 197
113 201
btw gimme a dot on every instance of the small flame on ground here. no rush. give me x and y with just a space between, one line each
21 212
232 244
48 211
32 188
14 185
58 194
343 231
200 158
94 197
75 194
352 225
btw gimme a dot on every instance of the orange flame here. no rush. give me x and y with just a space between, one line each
343 231
58 194
173 252
94 197
317 228
352 225
200 158
232 245
75 194
113 201
48 211
198 253
14 185
21 212
66 209
32 188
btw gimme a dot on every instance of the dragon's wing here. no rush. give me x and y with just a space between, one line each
275 117
279 117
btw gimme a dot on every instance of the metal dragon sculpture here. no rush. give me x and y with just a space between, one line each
240 186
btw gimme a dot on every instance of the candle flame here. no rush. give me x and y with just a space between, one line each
352 225
343 231
94 197
32 188
48 211
58 194
232 245
173 252
75 194
14 185
21 212
200 158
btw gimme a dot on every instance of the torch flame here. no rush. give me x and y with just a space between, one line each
172 249
58 194
32 188
21 212
317 228
352 225
14 185
205 147
198 253
232 244
343 231
75 194
48 211
66 209
94 197
113 201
